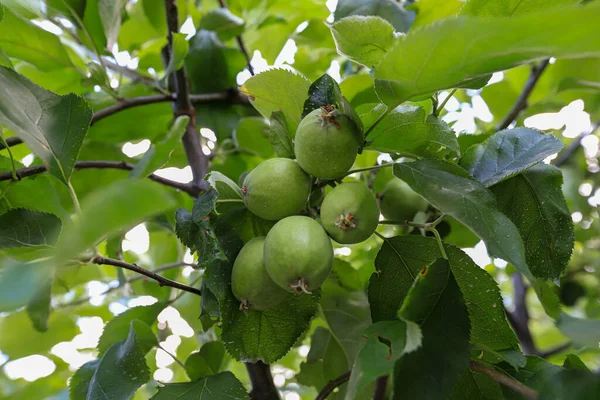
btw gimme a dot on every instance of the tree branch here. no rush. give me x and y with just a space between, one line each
519 318
189 188
380 387
564 155
263 387
162 281
332 384
555 350
11 141
182 105
241 44
521 102
505 380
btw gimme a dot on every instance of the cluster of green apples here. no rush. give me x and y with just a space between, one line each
297 255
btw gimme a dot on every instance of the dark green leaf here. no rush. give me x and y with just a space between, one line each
399 262
120 372
452 52
25 228
223 23
80 382
278 90
210 360
209 308
322 92
325 361
204 205
221 386
574 362
52 126
280 137
583 332
508 152
181 47
145 336
199 236
118 328
534 201
453 191
435 301
571 385
364 40
410 130
475 386
389 10
386 342
258 335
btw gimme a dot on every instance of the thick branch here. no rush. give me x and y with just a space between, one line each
380 387
332 384
263 387
162 281
521 102
507 381
519 318
11 141
192 190
182 105
241 44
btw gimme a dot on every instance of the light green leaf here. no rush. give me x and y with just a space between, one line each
534 201
583 332
223 22
278 90
21 39
180 51
508 152
325 361
410 130
386 342
38 306
433 370
453 191
4 60
227 189
453 52
252 134
110 209
221 386
364 40
400 260
389 10
24 228
110 15
509 8
52 126
210 360
160 152
429 11
280 138
118 328
20 282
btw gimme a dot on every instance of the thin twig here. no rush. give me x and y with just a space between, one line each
189 188
555 350
332 384
172 356
564 155
439 109
507 381
521 102
353 171
241 45
11 141
162 281
519 318
380 387
182 105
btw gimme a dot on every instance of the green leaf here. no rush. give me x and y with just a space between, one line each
79 384
453 191
415 65
110 15
475 386
221 386
571 385
389 10
583 332
210 360
121 371
4 60
325 361
508 152
25 228
252 134
503 8
119 327
204 205
364 40
258 335
52 126
38 307
429 11
227 189
386 342
20 283
21 39
574 362
181 47
534 201
433 370
399 262
279 136
410 130
159 153
223 23
198 234
109 209
278 90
